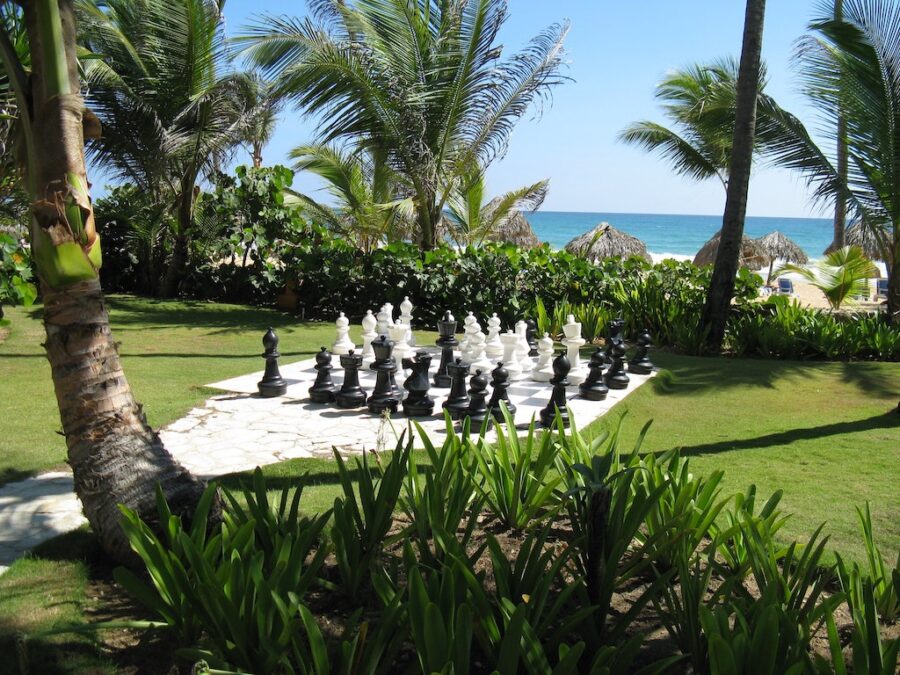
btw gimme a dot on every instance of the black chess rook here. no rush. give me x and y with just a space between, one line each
458 400
351 394
386 395
447 342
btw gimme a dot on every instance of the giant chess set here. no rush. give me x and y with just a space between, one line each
390 377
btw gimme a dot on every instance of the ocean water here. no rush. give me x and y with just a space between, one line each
678 235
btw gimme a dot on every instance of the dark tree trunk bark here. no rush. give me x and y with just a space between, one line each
893 299
179 258
840 204
721 287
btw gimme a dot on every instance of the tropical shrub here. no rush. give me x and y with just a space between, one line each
840 275
16 285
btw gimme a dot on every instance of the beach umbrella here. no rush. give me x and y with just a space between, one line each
752 255
605 241
513 230
780 247
872 240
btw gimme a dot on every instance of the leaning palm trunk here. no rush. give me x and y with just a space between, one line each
721 286
115 456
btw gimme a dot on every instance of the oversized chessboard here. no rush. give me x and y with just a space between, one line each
325 425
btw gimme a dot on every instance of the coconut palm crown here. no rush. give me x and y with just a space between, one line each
422 82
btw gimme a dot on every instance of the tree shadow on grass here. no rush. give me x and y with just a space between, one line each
888 420
132 311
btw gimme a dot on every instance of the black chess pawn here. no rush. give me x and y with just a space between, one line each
560 381
322 390
500 386
531 337
594 388
614 332
271 384
477 412
615 376
447 342
417 402
458 400
386 395
640 363
351 394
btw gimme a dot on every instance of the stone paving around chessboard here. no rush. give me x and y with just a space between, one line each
239 430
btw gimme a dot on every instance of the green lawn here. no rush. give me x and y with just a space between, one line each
828 434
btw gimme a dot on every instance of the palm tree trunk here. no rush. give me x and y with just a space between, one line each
721 287
179 258
893 299
840 203
257 154
115 456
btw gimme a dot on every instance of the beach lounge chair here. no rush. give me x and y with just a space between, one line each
881 289
785 287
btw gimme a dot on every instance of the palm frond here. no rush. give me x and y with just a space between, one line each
688 159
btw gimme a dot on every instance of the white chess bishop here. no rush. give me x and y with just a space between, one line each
342 344
574 342
543 369
369 324
510 362
406 308
494 348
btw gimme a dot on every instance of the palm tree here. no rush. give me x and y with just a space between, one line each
115 456
168 108
363 186
262 107
470 220
421 82
721 286
851 69
842 274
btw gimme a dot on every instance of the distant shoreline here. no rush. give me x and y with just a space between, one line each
677 236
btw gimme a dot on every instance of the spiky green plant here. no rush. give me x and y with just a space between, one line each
840 275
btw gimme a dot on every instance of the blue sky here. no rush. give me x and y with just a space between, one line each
617 52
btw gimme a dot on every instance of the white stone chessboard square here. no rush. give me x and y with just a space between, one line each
241 429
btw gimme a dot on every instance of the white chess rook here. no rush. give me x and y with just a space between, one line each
342 344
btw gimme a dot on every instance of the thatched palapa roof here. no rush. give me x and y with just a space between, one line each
752 255
778 246
874 242
605 241
514 230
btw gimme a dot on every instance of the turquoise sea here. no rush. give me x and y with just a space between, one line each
681 235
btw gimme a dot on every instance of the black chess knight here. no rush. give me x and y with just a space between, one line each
560 381
417 402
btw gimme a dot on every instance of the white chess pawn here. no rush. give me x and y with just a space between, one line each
510 362
369 323
384 321
402 349
406 308
543 369
494 348
574 342
523 348
342 344
467 324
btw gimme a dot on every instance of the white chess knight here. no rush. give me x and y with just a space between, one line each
543 369
494 348
342 344
402 349
369 323
510 362
523 348
468 322
406 308
574 342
